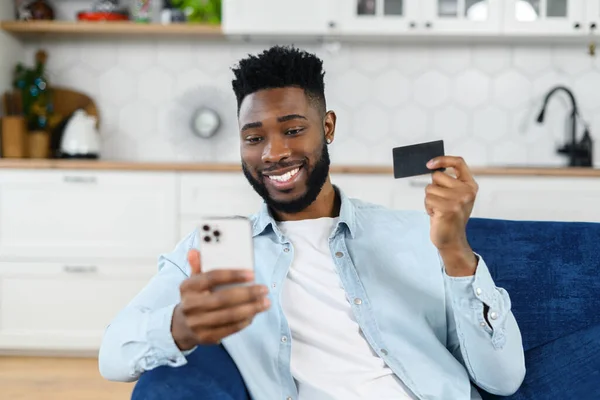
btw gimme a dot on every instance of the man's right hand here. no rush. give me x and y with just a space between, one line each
205 316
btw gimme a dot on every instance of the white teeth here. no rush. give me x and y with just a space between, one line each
285 177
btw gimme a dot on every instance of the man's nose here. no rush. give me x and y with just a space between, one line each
276 150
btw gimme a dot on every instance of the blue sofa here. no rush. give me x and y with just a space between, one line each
552 273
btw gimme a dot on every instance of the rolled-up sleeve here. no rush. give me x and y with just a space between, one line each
492 353
139 338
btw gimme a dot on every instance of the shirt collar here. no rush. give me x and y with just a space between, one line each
264 218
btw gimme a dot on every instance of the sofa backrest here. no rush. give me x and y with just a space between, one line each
551 271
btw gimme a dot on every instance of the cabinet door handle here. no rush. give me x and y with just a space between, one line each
79 179
80 269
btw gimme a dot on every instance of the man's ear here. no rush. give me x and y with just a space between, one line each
329 126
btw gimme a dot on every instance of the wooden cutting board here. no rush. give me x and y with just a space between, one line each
66 101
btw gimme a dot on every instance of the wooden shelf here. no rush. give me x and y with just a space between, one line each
113 165
22 28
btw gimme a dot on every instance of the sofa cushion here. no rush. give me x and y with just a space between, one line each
210 374
551 271
565 369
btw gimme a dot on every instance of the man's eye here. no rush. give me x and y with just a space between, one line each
294 131
253 140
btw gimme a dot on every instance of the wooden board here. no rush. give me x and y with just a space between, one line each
236 168
66 101
109 28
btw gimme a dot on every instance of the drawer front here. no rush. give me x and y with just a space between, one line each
82 215
225 193
64 306
543 198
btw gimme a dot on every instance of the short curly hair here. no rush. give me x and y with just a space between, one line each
278 67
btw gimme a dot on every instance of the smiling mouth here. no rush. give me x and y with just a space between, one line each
285 180
286 177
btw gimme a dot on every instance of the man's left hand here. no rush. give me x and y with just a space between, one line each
449 202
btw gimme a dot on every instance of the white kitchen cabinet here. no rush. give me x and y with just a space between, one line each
409 193
418 17
86 214
77 246
217 194
592 14
539 198
376 17
370 188
275 17
64 306
462 16
411 17
541 17
517 198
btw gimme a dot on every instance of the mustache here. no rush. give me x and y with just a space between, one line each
281 165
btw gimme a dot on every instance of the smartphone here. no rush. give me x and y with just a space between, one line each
225 243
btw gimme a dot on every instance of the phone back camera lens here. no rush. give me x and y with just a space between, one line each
207 239
217 233
206 228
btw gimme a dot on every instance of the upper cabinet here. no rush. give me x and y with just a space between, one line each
417 17
563 17
592 13
268 17
366 17
462 16
412 17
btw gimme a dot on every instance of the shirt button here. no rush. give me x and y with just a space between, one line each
288 398
483 324
274 284
339 254
284 339
478 291
357 301
384 352
493 315
286 249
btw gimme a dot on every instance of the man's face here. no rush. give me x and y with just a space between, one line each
283 148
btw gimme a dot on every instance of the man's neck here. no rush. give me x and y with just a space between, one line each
327 204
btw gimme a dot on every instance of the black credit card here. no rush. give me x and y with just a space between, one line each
412 160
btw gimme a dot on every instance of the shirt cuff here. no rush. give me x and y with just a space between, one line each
161 340
470 293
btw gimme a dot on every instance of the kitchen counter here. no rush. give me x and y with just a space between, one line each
222 167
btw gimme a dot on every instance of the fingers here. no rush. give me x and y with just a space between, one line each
228 316
214 336
211 279
463 194
444 180
226 298
193 257
457 163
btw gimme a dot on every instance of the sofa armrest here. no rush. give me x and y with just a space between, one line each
567 368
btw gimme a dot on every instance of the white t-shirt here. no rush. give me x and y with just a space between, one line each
330 358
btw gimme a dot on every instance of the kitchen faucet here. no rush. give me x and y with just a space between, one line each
580 154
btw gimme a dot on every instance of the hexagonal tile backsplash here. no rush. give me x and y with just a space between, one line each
481 99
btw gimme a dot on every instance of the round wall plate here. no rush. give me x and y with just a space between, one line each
205 122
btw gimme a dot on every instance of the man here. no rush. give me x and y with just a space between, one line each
350 300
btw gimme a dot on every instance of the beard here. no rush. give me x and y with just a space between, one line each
314 183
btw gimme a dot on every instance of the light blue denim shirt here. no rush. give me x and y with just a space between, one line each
427 326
